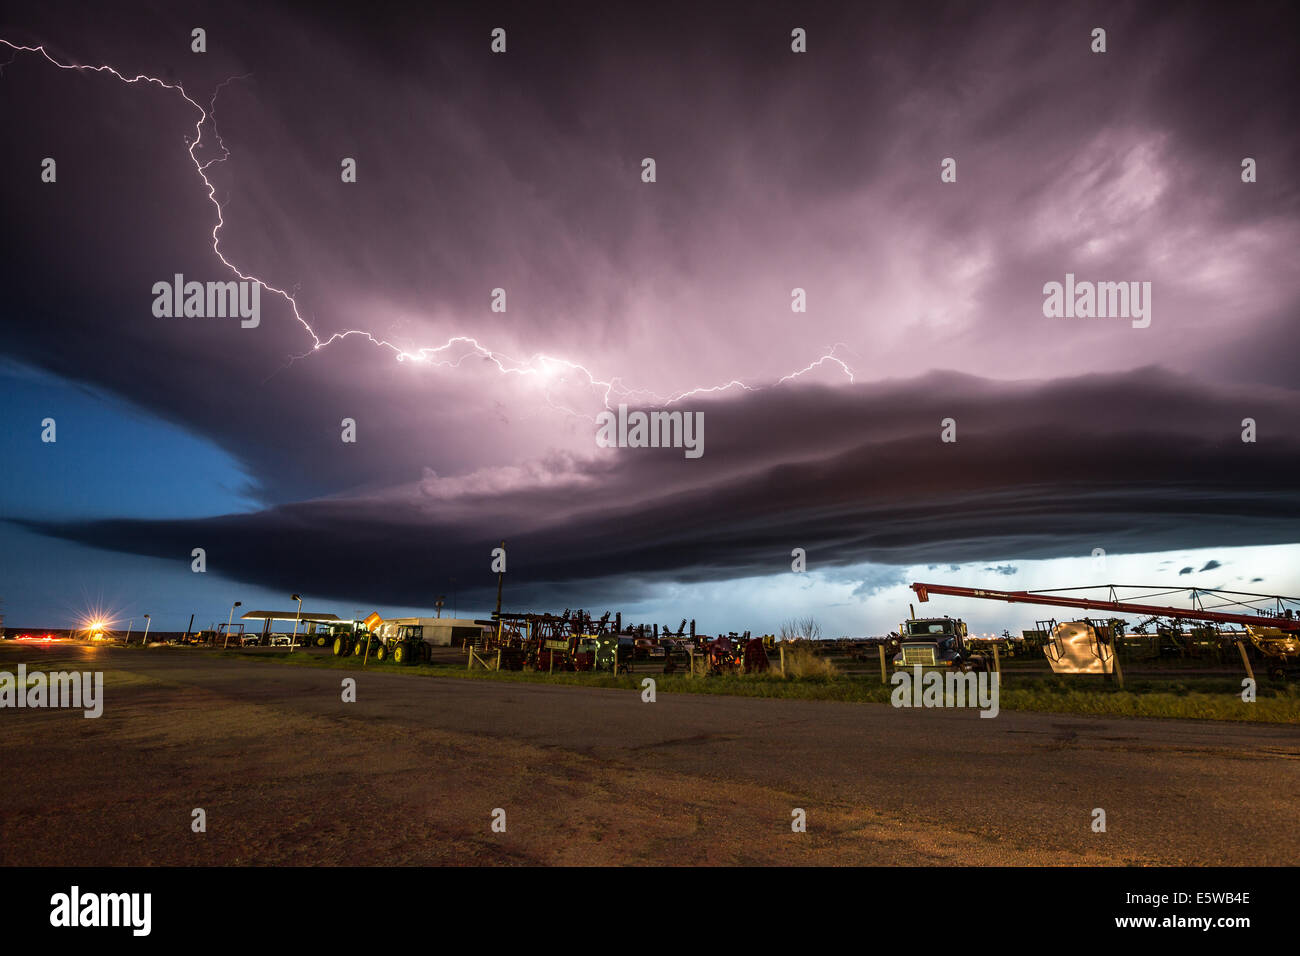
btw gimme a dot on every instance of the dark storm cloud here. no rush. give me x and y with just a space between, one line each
775 170
1139 462
479 171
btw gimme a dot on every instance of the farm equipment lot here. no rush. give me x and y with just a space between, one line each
411 772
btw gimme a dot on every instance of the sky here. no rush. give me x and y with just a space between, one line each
523 171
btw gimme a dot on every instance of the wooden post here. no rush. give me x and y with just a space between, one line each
782 658
692 653
1241 649
1119 671
498 658
884 678
997 662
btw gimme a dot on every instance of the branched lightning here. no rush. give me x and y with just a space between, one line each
456 349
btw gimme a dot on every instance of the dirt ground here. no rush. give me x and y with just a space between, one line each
411 773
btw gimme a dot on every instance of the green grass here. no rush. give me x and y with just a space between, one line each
1193 698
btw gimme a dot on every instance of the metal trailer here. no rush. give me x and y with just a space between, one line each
1080 647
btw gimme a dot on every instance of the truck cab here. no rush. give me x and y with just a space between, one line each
936 642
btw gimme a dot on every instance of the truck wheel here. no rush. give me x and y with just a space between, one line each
340 648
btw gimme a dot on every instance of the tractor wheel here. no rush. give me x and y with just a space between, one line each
1277 673
359 648
320 641
400 654
340 647
380 653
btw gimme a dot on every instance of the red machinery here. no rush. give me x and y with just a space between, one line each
732 653
549 642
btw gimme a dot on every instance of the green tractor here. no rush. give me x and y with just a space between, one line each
406 644
346 639
400 643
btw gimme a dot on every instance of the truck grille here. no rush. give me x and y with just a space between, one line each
922 654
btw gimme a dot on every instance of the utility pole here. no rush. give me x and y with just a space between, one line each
500 578
294 639
229 619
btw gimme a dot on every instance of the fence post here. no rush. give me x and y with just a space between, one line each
782 658
1250 671
883 678
997 662
498 658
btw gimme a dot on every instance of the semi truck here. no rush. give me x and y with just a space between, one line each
937 642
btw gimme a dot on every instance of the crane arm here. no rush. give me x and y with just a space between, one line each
1285 622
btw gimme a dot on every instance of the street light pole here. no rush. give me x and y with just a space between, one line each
144 641
229 620
298 598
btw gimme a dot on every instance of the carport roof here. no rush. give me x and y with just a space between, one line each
288 616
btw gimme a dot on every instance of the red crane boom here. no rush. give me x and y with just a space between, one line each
1283 618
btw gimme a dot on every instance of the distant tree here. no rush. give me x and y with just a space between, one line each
809 628
805 628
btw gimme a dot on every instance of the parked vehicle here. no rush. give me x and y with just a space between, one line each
645 649
937 642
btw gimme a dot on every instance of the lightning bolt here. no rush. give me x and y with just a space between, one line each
456 349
